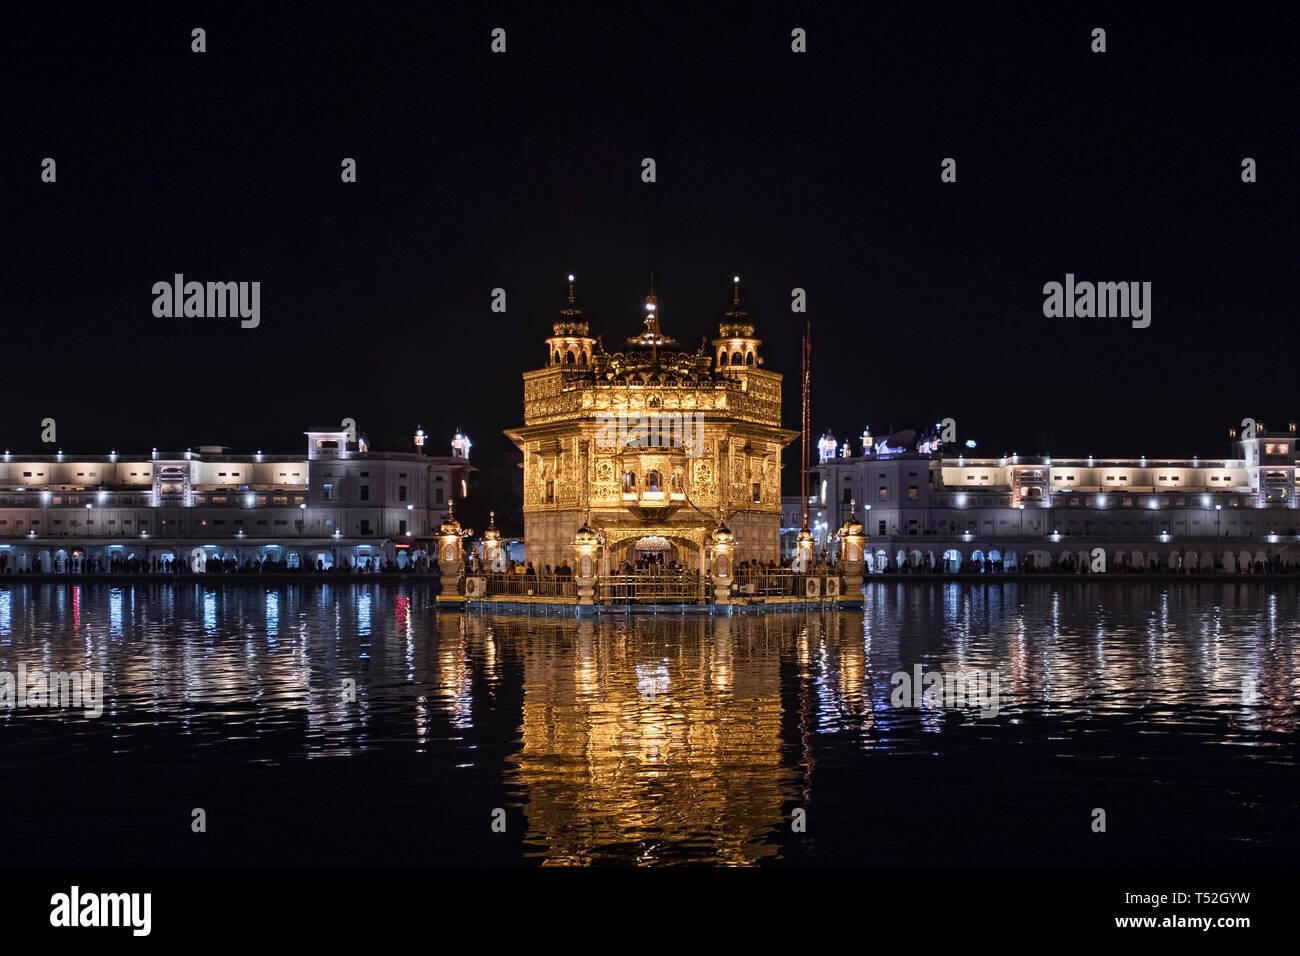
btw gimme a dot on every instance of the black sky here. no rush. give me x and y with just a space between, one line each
818 170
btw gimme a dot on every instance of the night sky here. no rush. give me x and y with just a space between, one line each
819 170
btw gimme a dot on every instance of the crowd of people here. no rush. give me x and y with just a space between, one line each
166 565
644 566
1072 564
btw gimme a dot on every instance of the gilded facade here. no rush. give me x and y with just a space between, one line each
651 442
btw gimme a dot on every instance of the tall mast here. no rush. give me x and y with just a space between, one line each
804 439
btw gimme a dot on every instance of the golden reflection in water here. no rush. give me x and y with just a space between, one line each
455 675
646 738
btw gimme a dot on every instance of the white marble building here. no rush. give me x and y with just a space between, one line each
924 505
338 505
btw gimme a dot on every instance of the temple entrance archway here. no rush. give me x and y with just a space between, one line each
628 545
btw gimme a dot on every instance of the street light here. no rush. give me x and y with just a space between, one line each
88 507
1217 509
410 517
302 519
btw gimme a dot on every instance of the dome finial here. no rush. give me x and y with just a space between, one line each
570 322
736 324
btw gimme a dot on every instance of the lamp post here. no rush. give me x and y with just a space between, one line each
1217 509
491 543
89 506
451 555
723 544
585 545
302 520
852 540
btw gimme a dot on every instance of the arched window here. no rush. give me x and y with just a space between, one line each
722 358
568 357
582 358
652 481
557 356
735 358
749 358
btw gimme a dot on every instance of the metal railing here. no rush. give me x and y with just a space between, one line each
780 582
530 585
668 587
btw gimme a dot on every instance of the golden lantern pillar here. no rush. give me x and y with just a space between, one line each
803 551
852 551
491 543
724 550
451 553
585 545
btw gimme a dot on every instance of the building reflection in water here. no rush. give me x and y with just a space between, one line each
642 738
662 738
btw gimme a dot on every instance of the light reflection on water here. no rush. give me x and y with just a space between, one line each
672 738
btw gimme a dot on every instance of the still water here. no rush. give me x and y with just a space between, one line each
1172 707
